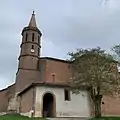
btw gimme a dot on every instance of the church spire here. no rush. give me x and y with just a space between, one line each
32 22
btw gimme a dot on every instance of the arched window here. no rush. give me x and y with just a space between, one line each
38 39
26 37
38 51
53 76
33 37
32 46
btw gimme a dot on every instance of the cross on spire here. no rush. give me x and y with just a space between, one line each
33 12
32 22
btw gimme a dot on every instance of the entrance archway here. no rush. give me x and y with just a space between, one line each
48 105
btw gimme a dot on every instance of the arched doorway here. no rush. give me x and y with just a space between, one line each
48 105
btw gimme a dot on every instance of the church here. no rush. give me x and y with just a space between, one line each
41 87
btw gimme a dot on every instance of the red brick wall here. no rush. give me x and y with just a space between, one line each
25 78
4 97
111 106
60 70
3 101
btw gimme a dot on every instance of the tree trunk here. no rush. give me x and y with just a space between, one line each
97 102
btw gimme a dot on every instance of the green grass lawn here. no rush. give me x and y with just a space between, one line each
18 117
106 118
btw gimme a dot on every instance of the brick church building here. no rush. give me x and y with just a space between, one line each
41 87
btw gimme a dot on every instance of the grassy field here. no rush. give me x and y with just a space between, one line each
106 118
18 117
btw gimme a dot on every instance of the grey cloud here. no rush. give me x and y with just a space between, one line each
92 31
66 25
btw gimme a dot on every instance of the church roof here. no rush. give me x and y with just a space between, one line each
44 84
55 59
32 22
58 85
7 87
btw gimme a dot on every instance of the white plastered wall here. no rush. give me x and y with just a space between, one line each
78 106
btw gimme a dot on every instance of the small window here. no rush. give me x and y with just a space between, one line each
38 39
26 37
53 77
32 46
33 36
67 95
103 103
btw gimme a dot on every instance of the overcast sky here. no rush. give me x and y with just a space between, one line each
65 24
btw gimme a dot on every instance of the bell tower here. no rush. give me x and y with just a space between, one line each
30 46
29 55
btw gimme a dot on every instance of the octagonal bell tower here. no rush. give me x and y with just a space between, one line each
29 55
